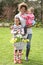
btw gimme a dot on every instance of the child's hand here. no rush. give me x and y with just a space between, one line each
16 32
12 27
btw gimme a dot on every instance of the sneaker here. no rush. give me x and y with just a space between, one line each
26 58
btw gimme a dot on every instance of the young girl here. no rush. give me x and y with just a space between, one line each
30 17
17 30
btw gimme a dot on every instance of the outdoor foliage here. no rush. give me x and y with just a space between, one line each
7 49
8 8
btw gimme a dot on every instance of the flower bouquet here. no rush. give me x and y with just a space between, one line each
19 41
19 38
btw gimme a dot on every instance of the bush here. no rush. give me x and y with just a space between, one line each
38 24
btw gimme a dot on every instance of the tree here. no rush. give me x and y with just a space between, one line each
1 7
10 8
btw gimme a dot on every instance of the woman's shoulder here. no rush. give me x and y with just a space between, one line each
17 15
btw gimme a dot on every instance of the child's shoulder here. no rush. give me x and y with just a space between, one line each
17 15
19 26
14 25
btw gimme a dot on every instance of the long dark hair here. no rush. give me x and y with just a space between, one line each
19 20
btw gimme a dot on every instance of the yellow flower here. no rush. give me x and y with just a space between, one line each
13 40
25 40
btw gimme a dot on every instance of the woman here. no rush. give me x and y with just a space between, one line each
22 10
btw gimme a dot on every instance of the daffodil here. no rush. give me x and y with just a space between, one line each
12 40
19 35
25 40
19 38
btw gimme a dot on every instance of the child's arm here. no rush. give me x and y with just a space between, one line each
33 21
22 31
23 16
11 27
33 17
14 32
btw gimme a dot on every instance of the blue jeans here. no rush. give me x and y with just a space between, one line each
28 45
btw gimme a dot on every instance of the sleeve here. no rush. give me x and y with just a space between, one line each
32 16
22 31
13 31
17 15
23 16
33 22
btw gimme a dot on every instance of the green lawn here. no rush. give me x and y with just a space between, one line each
6 48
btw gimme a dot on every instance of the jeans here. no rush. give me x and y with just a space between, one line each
28 45
25 29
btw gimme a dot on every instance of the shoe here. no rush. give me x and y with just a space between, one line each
19 61
15 62
26 58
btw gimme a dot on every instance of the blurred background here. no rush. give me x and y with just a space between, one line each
8 9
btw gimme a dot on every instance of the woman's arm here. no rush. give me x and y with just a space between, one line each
29 26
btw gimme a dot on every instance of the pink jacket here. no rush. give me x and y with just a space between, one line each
29 18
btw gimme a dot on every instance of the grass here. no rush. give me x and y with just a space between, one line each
6 48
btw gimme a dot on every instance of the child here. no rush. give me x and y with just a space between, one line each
17 30
30 17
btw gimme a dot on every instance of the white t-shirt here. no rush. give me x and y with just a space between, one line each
23 22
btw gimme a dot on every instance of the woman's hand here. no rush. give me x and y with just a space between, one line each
29 26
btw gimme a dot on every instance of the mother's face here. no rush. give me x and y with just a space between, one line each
23 10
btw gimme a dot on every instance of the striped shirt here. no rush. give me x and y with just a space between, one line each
18 28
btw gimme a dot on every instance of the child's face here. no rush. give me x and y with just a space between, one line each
17 21
29 11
